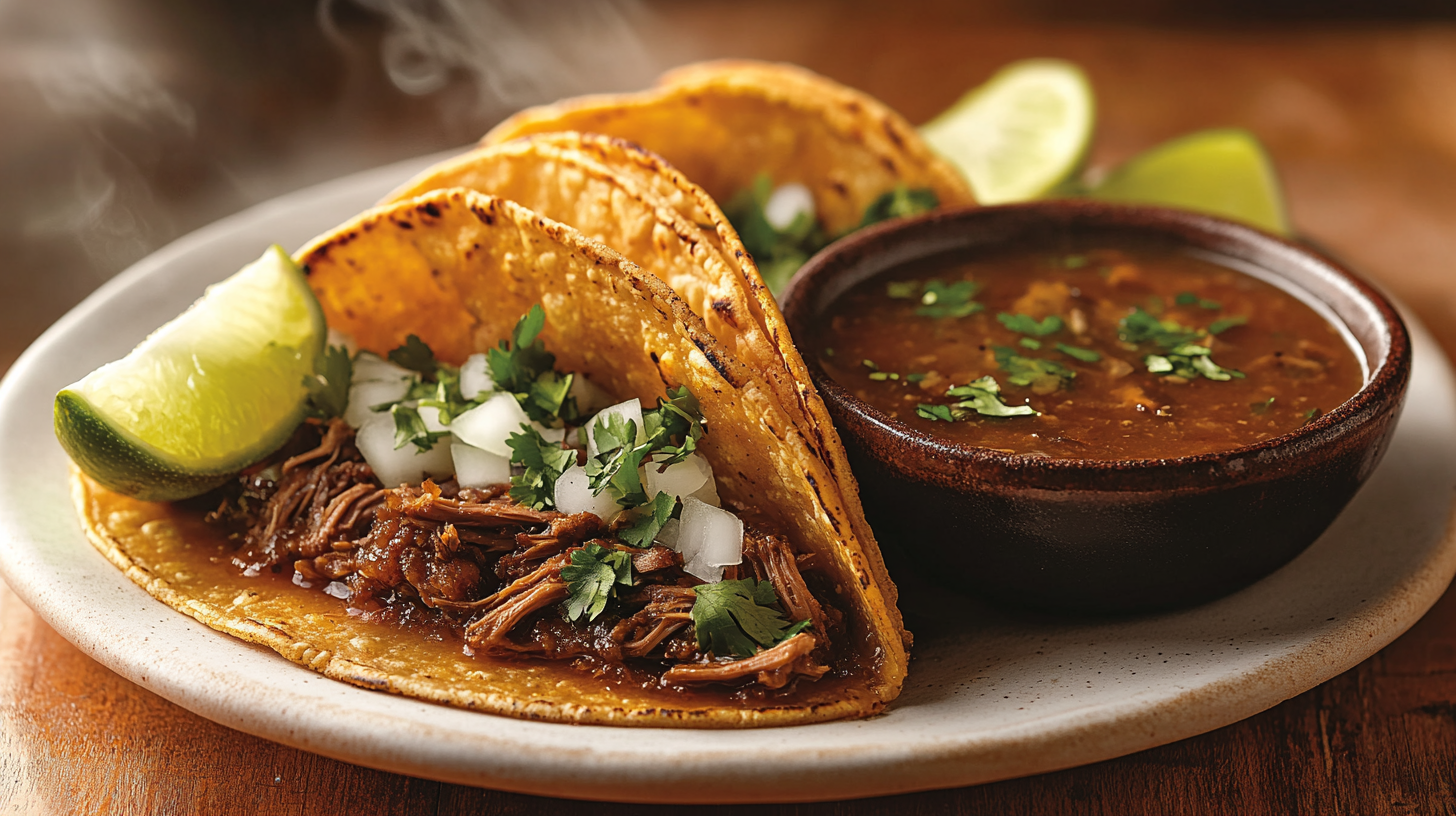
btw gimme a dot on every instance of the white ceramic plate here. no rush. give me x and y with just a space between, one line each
1002 697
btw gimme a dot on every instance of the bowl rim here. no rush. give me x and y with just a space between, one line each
1382 392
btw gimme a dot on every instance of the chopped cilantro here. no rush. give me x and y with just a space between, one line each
592 579
1141 327
409 428
1224 324
870 364
674 427
1311 415
1027 342
544 462
1023 324
915 377
735 618
1261 408
981 397
1085 355
1044 376
523 366
1074 261
828 352
415 356
939 299
778 252
642 531
1190 361
1211 305
1185 299
328 387
671 431
898 203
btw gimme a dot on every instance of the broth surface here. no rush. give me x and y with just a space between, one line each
1123 354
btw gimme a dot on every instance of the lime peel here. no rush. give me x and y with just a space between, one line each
1223 171
1020 135
205 395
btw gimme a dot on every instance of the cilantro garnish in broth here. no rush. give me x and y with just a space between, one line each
735 618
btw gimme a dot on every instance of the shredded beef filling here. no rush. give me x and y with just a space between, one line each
491 568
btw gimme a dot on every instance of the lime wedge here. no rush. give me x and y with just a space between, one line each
1022 133
204 396
1222 172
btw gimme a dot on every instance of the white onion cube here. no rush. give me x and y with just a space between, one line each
430 415
785 205
710 540
407 465
363 396
477 468
475 377
588 396
487 426
372 368
680 479
574 495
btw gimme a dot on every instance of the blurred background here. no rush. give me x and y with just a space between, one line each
127 123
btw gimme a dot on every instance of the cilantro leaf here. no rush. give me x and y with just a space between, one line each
1085 355
592 579
899 202
617 460
409 428
940 299
903 290
674 427
518 364
544 462
736 617
1185 299
644 530
1141 327
982 396
1023 324
1224 324
328 387
1043 376
550 394
1190 361
1261 408
935 412
415 356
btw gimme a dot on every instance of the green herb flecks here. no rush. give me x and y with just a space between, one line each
1024 324
903 290
1224 324
1028 343
670 434
940 299
1042 376
415 356
982 397
652 516
1312 414
544 462
592 579
898 203
409 428
1074 261
1189 361
735 618
1085 355
523 367
1261 408
328 387
1180 356
1141 327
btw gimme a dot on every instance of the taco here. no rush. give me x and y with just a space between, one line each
491 595
794 158
633 201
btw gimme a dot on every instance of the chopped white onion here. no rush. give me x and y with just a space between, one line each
431 417
631 411
707 494
710 540
670 534
477 468
785 205
681 479
475 377
574 495
371 368
363 396
487 426
588 396
407 465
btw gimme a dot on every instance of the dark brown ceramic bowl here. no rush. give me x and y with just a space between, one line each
1102 536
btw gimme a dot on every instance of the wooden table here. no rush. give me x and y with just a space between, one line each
1360 118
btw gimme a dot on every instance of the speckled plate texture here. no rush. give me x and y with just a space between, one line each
991 695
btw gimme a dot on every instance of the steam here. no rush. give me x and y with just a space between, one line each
514 54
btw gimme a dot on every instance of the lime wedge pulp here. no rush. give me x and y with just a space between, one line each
209 393
1021 134
1221 172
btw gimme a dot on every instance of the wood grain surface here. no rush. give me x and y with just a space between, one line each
1360 118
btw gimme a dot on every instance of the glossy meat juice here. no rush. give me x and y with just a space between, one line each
901 339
